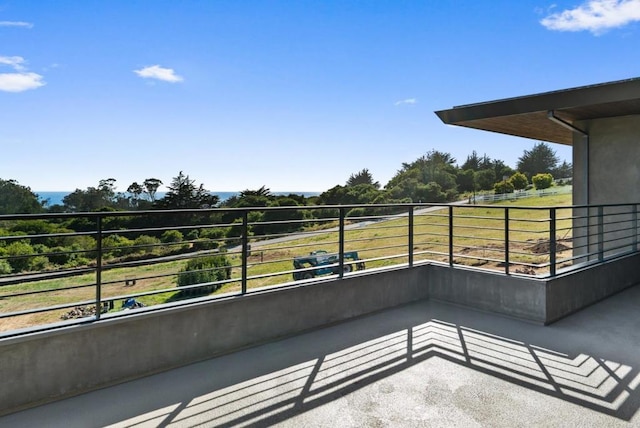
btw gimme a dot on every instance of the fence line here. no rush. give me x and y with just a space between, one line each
520 194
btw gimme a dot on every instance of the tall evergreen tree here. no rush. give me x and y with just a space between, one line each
184 194
541 159
362 177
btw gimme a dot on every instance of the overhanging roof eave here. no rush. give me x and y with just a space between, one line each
565 99
526 116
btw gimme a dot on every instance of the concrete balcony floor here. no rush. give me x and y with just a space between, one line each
423 364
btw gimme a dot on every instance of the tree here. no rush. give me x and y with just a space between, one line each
107 187
262 192
434 167
501 169
18 199
485 179
472 162
249 198
563 171
540 159
184 194
542 181
466 180
346 195
281 221
362 177
151 186
93 198
519 181
136 190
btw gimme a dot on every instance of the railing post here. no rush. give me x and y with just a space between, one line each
635 227
552 242
600 233
99 267
341 244
410 231
245 250
451 235
506 240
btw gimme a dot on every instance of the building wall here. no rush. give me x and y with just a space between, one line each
614 151
606 170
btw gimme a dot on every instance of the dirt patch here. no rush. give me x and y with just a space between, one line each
544 247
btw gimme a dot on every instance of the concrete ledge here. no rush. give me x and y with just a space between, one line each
538 300
52 365
576 290
514 296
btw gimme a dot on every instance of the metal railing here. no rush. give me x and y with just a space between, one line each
60 269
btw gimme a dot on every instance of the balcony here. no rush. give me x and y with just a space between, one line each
422 364
538 264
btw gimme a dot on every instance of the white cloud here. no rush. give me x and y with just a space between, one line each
16 24
596 16
18 82
407 101
159 73
14 62
21 79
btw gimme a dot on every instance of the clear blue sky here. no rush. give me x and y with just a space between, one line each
293 95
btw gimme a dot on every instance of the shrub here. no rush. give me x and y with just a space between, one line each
216 233
209 239
21 255
60 255
193 234
519 181
39 248
234 233
542 181
204 244
204 270
146 244
39 263
503 187
172 236
5 267
117 245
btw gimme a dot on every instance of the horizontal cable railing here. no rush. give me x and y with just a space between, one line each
61 269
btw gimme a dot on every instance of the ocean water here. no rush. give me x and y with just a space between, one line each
55 198
52 198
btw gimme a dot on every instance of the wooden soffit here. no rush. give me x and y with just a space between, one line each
527 116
